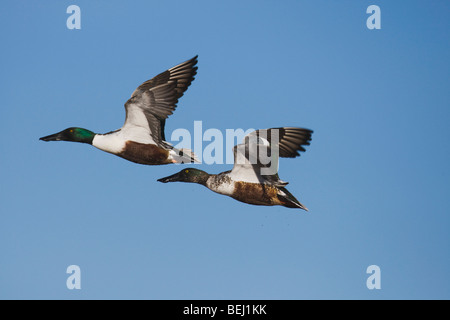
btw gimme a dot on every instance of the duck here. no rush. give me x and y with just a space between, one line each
254 177
142 139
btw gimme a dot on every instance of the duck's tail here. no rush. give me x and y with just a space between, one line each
288 200
184 156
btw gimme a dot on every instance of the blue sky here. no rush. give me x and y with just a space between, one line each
375 178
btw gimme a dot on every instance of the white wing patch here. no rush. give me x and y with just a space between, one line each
244 173
136 127
252 160
136 117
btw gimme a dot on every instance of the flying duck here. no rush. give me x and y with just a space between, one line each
141 139
254 177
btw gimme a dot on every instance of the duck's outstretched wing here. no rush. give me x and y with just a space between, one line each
256 159
288 140
156 99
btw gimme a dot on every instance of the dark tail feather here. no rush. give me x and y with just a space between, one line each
186 156
290 201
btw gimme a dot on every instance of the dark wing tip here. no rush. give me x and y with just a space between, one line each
183 74
292 140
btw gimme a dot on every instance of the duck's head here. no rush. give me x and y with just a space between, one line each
71 134
187 175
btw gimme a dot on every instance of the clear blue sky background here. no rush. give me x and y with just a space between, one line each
376 177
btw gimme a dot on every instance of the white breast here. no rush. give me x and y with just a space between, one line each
112 142
222 187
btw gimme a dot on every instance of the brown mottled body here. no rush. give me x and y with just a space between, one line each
255 193
263 194
145 153
252 193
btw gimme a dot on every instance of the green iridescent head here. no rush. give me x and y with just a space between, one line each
71 134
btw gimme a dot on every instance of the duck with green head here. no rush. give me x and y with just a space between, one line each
141 139
247 182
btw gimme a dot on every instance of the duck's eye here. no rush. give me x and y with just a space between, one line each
71 130
187 171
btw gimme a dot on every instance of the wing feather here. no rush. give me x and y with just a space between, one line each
156 99
254 160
